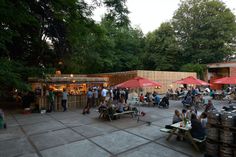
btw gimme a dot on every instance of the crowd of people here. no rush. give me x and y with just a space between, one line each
198 123
112 101
102 97
154 99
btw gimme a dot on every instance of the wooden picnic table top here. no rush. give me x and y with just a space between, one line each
180 126
187 134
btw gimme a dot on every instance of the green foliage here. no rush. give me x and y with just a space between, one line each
117 12
198 68
162 50
10 77
108 46
36 34
206 31
14 75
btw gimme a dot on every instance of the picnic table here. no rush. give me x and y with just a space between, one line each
108 113
183 131
173 96
219 96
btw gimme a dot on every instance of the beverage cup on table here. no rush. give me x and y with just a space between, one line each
180 124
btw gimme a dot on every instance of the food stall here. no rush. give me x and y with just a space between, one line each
75 85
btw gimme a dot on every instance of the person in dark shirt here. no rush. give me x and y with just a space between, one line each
197 131
209 106
126 95
89 101
164 102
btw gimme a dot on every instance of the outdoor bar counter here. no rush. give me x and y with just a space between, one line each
73 102
76 86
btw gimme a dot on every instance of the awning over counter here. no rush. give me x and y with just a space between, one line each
70 79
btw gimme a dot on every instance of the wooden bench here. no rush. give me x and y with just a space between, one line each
104 113
125 112
195 139
199 140
165 130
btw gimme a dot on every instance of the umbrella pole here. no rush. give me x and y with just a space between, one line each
139 112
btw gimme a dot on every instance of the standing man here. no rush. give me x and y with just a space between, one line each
111 94
89 101
64 99
51 98
95 95
126 95
103 94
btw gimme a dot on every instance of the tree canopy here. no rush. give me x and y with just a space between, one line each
205 30
37 35
162 49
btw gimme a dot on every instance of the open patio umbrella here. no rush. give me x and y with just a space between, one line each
226 80
192 80
138 82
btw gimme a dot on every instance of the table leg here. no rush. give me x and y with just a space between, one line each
192 141
172 132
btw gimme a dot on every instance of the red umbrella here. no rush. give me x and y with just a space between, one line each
192 80
226 80
138 82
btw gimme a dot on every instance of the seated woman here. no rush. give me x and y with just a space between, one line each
209 106
187 100
186 114
177 117
102 106
203 119
197 131
164 102
141 98
121 106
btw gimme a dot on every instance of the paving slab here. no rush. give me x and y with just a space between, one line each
63 115
11 133
125 122
181 146
94 129
150 116
146 109
29 155
152 150
93 113
55 138
31 115
119 141
15 147
150 132
51 133
77 121
165 113
82 148
163 122
32 120
11 123
42 127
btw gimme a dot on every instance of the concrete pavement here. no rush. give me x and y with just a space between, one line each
72 134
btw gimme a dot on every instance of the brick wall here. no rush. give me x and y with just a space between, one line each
232 71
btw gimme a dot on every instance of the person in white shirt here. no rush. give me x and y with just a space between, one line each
207 91
103 94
